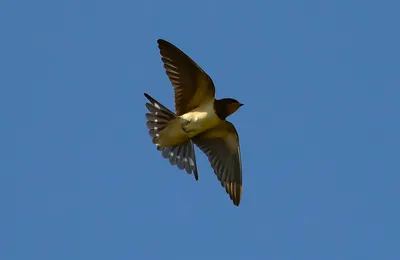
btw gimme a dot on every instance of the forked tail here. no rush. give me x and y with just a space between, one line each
182 155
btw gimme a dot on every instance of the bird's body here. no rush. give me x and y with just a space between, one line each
188 125
199 119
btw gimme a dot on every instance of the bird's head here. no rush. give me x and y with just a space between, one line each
227 106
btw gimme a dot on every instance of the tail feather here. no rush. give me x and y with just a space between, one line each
182 155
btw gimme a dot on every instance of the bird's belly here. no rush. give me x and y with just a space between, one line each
197 122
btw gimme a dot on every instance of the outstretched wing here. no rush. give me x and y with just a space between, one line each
221 145
192 85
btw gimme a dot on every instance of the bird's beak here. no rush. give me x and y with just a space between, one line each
241 104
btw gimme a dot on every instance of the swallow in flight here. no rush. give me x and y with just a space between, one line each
199 119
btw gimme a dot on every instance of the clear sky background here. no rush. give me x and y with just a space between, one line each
80 178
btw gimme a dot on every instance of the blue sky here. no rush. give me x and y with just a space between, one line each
80 178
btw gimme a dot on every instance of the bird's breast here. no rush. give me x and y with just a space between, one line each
200 119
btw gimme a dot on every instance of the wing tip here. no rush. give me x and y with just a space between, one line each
161 41
235 193
164 46
236 201
147 96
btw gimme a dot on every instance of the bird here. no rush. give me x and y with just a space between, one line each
199 119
